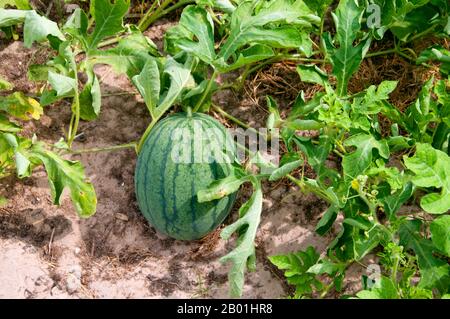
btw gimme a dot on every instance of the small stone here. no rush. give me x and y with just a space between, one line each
122 217
73 281
77 250
55 291
277 192
71 7
41 281
46 121
27 294
267 203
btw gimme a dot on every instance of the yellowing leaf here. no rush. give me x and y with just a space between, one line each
21 106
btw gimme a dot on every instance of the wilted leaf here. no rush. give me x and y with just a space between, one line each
64 173
243 255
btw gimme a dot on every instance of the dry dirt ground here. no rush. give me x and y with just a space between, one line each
49 252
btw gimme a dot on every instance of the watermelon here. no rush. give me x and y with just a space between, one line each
170 172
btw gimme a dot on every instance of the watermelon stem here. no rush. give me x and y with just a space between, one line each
206 92
236 120
146 133
152 15
189 111
75 119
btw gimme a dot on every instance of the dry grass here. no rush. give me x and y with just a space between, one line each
281 81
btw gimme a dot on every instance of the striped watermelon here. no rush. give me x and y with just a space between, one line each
167 184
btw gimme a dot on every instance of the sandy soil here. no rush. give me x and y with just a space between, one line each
48 252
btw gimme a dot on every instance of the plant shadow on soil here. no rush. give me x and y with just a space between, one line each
33 226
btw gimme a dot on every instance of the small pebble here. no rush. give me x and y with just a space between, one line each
73 281
122 217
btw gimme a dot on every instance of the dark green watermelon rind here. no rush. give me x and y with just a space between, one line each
155 159
142 168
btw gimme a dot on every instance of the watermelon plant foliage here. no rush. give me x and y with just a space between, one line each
366 186
378 170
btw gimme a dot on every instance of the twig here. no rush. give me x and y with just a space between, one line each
104 149
51 242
